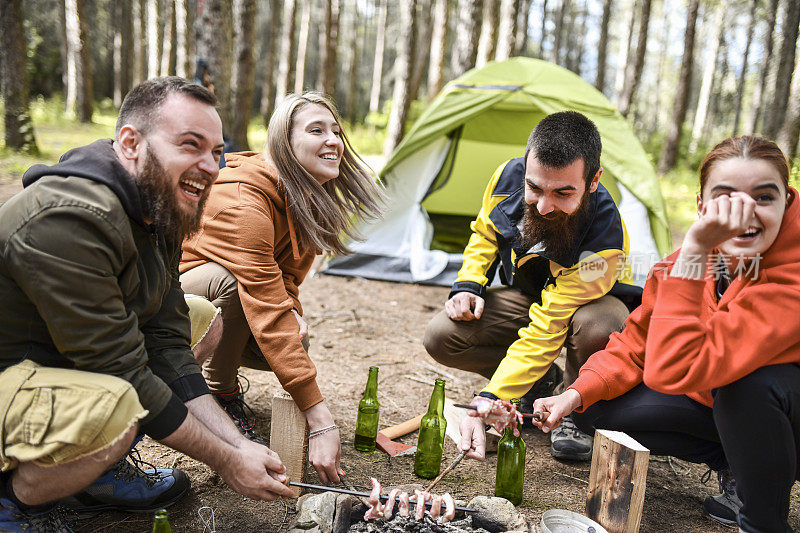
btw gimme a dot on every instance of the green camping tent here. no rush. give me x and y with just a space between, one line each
436 177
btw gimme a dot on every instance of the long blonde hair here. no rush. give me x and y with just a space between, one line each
324 215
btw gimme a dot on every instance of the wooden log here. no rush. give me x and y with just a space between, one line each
617 481
288 437
454 415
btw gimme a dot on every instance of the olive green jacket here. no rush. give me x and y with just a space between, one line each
85 284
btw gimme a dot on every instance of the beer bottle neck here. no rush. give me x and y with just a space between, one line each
436 405
371 390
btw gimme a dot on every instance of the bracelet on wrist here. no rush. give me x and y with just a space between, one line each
322 431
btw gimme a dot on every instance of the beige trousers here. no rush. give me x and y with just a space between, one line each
479 345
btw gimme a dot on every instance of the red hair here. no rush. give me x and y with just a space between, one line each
746 147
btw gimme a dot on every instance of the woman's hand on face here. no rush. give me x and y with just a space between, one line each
301 324
324 454
558 407
721 218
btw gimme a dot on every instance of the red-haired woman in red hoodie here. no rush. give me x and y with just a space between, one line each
706 368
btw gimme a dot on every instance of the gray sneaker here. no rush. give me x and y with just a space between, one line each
569 442
723 507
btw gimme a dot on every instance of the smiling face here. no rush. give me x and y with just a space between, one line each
762 181
317 142
180 163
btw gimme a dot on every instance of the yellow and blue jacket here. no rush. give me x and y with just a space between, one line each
560 285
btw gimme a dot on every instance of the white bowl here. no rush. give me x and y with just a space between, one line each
564 521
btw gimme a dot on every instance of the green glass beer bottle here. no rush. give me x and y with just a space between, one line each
368 412
428 459
510 465
161 522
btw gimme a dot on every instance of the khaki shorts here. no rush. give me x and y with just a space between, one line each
54 415
201 314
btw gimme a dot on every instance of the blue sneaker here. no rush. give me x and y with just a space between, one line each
51 520
127 486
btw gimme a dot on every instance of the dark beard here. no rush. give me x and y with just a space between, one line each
557 232
160 203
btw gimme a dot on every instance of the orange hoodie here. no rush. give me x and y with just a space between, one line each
247 229
681 340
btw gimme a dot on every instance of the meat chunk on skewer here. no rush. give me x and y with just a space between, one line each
499 413
442 507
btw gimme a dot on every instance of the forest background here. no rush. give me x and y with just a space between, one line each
685 73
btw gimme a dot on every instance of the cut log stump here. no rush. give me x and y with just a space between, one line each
288 437
617 481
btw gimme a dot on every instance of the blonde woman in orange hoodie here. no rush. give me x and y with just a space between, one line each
706 368
268 215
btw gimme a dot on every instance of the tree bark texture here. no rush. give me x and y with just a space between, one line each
521 40
329 57
269 54
777 108
402 81
183 33
766 61
487 45
123 49
465 49
602 46
790 130
662 60
215 45
377 66
286 51
751 23
140 41
670 153
436 63
154 43
305 7
507 30
79 87
168 38
624 51
423 47
634 73
245 14
19 133
543 29
352 71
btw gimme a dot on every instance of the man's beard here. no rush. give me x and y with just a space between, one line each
160 202
557 231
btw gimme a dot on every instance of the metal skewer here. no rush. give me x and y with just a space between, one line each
383 497
541 416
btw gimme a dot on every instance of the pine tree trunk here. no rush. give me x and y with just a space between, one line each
559 32
543 29
352 86
634 73
328 58
423 46
183 66
487 45
766 61
602 46
662 59
377 67
270 53
140 41
523 16
79 92
716 33
670 153
624 51
153 48
123 49
777 108
245 13
215 45
743 72
168 33
790 131
305 7
507 30
19 133
436 63
400 98
286 51
577 59
465 48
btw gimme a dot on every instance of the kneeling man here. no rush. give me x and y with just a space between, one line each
560 244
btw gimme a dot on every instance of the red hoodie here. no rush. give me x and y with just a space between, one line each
681 340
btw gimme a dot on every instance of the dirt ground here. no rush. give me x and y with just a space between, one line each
357 323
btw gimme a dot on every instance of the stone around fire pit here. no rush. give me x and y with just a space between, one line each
497 515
